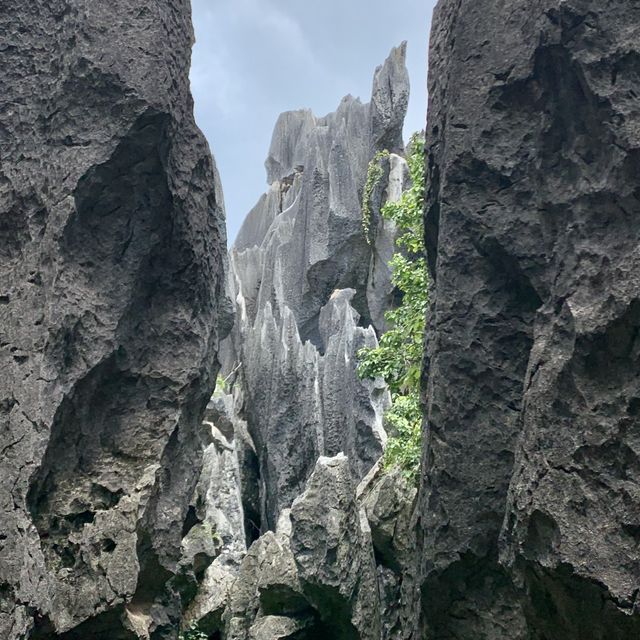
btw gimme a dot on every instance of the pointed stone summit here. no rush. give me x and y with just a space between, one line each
310 290
112 270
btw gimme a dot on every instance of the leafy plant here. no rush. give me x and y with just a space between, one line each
374 175
398 357
221 385
193 633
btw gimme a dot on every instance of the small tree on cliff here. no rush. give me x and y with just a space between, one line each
398 358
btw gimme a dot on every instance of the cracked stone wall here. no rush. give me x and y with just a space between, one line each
112 305
530 506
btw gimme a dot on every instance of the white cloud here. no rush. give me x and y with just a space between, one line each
284 27
229 19
215 85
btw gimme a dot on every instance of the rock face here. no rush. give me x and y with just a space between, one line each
530 503
317 576
388 503
112 267
216 516
331 543
311 288
308 285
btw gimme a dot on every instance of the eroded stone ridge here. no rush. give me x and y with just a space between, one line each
530 500
310 290
112 268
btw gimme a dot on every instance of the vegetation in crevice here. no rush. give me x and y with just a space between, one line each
375 172
193 633
398 357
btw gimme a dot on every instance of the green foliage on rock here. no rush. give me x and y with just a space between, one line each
374 175
221 385
193 633
398 358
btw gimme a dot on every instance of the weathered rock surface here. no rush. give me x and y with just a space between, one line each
112 267
388 501
216 515
311 290
316 576
331 544
530 500
308 285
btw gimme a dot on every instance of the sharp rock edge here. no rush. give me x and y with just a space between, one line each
112 307
530 503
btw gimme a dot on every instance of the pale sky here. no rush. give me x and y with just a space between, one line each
254 59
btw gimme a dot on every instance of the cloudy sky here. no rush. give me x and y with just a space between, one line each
254 59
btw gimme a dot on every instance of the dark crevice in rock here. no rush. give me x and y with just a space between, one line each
564 605
334 612
190 521
152 577
105 625
472 598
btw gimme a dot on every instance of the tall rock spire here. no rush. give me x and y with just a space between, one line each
112 305
530 505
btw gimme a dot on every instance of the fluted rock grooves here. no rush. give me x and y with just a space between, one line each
308 287
530 505
112 305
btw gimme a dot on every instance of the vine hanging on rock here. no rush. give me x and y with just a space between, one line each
375 172
398 357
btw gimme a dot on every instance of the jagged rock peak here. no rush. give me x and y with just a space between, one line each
389 100
385 114
311 290
112 305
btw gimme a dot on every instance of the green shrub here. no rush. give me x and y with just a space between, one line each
374 175
193 633
221 385
398 358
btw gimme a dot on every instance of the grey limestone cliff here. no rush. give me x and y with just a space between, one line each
310 291
329 535
530 503
112 306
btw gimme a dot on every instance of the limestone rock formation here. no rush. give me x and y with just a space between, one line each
530 502
311 288
388 501
316 576
112 305
310 291
331 543
216 514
